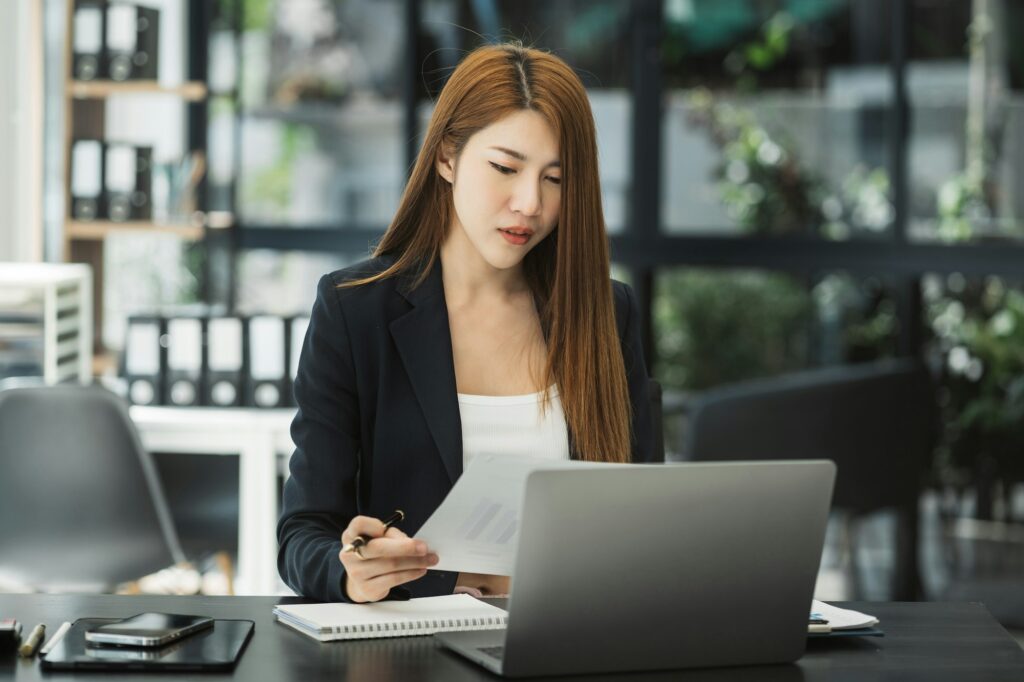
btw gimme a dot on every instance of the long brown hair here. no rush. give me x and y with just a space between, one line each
568 272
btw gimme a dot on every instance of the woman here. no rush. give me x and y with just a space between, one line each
486 322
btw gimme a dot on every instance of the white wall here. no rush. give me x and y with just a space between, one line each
21 118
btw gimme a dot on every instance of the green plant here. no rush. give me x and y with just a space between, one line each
856 320
761 54
270 188
967 202
716 328
761 183
256 14
961 204
193 262
978 351
978 327
767 190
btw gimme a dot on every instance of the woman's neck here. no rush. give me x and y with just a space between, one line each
469 279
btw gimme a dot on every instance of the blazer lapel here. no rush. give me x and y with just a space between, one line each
424 343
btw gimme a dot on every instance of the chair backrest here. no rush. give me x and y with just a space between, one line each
875 421
81 506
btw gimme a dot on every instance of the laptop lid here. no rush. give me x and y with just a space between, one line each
666 566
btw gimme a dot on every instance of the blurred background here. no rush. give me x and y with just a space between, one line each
809 196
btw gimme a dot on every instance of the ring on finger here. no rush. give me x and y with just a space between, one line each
359 551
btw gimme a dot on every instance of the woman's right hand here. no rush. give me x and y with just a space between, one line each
391 558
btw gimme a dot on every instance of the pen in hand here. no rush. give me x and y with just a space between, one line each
357 544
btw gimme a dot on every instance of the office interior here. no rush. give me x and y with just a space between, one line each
820 205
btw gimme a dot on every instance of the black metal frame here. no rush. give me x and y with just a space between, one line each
643 247
198 112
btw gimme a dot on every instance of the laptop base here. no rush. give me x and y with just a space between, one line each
474 644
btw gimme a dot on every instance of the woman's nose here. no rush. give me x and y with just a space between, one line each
526 199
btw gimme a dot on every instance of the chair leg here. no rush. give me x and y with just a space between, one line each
906 569
848 554
856 569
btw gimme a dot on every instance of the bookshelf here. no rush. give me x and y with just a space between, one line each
191 91
88 110
99 229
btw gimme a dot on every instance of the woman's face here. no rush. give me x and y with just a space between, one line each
506 188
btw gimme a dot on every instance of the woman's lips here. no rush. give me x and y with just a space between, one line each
515 235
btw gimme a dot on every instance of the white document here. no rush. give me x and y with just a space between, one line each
841 619
476 528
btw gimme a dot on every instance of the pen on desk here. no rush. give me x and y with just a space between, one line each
358 543
29 646
57 636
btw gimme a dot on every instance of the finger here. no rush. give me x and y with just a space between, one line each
368 569
362 525
393 532
393 547
382 584
393 565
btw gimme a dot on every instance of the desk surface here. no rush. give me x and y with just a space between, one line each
924 641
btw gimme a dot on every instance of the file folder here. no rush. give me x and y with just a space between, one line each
87 161
225 368
132 40
267 361
184 361
144 359
128 182
142 197
87 41
296 337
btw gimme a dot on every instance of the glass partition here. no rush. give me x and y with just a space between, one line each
966 144
320 112
775 119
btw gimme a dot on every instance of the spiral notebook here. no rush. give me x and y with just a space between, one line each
424 616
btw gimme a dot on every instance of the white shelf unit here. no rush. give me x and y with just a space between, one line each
261 439
46 321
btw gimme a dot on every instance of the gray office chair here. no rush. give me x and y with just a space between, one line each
81 507
876 421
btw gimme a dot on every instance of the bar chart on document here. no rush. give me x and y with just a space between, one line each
475 529
491 523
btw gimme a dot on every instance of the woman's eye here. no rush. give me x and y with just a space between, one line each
504 170
557 181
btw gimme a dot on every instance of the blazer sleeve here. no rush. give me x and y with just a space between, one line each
320 495
636 377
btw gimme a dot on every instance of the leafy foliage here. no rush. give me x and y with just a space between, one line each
723 327
978 354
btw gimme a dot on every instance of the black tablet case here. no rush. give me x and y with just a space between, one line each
212 649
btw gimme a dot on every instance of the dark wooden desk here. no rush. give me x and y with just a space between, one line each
925 641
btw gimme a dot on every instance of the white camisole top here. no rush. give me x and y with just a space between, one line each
512 425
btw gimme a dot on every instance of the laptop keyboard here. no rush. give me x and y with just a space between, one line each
495 651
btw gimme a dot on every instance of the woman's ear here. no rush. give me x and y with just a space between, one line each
445 164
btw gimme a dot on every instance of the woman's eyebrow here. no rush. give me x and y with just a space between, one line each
519 155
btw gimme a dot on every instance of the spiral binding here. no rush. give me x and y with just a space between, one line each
418 627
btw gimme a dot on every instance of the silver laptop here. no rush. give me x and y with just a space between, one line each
652 567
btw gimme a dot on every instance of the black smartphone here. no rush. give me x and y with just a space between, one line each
147 629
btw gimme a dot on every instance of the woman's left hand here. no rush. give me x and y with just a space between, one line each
487 585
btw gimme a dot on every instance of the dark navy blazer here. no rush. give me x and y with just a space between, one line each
378 425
